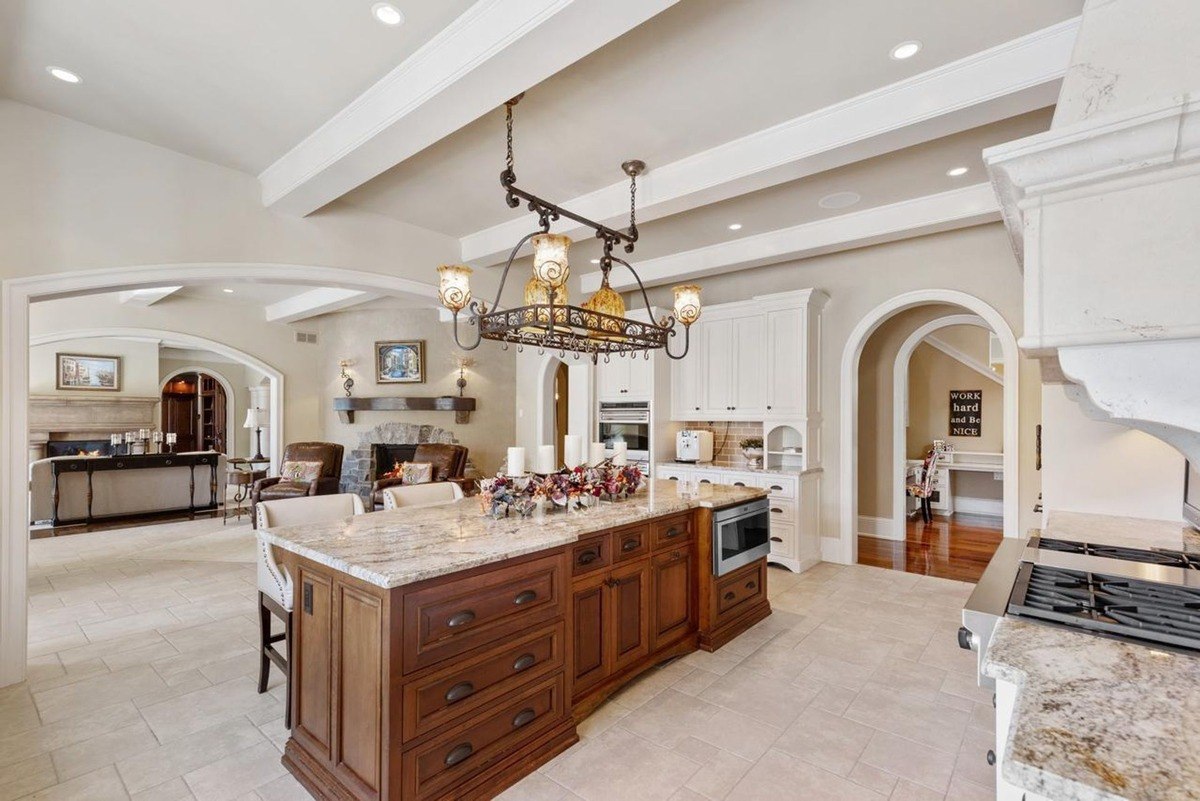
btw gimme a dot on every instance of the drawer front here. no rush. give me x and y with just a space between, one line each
673 532
740 589
447 619
591 555
630 543
432 768
737 480
445 695
781 511
779 486
783 539
670 473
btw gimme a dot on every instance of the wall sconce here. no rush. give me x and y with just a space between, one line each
347 379
463 363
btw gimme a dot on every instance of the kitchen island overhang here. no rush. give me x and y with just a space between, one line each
440 654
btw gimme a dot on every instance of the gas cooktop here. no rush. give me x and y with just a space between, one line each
1154 556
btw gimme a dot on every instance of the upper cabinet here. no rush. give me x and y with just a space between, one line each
625 378
752 360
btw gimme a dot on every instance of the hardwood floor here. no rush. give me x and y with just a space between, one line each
955 548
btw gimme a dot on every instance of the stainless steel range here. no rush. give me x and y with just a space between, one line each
1146 595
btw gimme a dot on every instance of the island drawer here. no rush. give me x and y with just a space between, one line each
432 768
672 532
741 589
630 543
447 619
439 697
591 555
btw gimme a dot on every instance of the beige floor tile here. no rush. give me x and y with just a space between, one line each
838 672
910 760
872 778
909 716
964 790
202 709
769 700
602 719
971 763
99 785
911 791
189 753
120 645
834 699
645 771
718 774
668 718
130 624
781 776
738 734
231 776
70 730
536 787
27 776
695 682
98 691
777 660
18 712
285 788
73 672
826 740
105 749
172 790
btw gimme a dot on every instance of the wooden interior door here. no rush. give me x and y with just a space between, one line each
213 405
179 411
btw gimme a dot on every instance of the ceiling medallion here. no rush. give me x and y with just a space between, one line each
547 321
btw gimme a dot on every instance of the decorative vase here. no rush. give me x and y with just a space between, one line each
753 457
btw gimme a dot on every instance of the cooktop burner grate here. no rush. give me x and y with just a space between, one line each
1154 556
1126 607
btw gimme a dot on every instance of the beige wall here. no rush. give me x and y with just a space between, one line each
931 376
352 335
139 365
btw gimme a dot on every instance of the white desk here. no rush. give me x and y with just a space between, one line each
943 501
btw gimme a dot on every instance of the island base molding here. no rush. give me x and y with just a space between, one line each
458 686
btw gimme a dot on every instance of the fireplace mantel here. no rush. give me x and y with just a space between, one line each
86 416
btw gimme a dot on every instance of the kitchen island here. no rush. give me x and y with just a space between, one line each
440 654
1088 718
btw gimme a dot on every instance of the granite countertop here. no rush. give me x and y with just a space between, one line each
770 471
390 549
1132 532
1099 719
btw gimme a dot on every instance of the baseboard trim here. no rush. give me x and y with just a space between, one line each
879 527
988 507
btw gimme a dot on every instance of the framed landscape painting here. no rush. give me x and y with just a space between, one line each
76 371
400 362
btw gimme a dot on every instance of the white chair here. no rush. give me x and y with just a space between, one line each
274 583
408 496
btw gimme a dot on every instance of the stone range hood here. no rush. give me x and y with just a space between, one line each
1104 215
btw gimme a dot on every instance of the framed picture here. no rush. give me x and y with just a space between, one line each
76 371
400 362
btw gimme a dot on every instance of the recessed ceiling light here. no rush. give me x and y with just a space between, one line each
906 50
839 200
387 13
63 75
227 291
956 171
735 227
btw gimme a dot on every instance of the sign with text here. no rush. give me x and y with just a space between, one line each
966 412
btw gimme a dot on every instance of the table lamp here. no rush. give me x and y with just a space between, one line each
252 422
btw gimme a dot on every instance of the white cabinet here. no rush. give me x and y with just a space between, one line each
625 378
749 367
785 376
716 359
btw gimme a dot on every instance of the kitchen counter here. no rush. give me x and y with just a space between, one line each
391 549
1099 719
767 471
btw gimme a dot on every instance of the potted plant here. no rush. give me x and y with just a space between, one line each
752 449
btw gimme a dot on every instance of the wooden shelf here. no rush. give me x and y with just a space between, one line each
462 407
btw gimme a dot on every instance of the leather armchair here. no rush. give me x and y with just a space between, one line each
276 488
449 463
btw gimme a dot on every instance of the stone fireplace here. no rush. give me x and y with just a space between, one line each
84 421
360 468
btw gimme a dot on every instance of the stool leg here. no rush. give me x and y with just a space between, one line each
287 712
264 642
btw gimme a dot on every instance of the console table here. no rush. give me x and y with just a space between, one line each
92 465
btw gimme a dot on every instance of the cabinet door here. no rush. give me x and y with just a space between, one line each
629 617
717 370
785 377
641 377
673 613
612 378
687 389
590 619
749 385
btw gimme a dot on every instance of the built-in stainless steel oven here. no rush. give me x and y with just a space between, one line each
741 535
627 422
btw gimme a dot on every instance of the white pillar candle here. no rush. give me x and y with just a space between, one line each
596 454
516 461
620 452
572 450
545 459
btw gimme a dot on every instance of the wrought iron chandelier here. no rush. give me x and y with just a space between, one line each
547 321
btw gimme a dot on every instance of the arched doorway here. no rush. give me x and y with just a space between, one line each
849 392
197 406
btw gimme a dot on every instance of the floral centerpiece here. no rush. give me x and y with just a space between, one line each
570 488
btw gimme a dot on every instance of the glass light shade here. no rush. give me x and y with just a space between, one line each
454 286
607 301
550 259
687 303
538 294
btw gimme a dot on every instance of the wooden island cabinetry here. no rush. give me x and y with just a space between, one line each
456 686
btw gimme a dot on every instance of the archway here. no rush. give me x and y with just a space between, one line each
579 400
848 439
230 399
15 296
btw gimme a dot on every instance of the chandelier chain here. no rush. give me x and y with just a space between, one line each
632 203
508 113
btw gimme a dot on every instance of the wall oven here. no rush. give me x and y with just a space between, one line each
741 535
629 422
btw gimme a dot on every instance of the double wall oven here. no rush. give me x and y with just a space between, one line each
628 422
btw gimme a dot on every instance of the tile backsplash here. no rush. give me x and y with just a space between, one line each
727 452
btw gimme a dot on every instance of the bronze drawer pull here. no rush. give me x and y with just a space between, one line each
524 662
524 717
776 539
738 484
458 754
525 597
460 691
705 481
750 585
776 510
587 557
673 532
729 596
460 618
777 488
630 545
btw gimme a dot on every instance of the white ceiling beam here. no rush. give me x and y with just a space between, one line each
965 359
147 297
944 211
494 51
1012 78
315 302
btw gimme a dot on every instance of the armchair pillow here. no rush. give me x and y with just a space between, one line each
416 472
300 472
